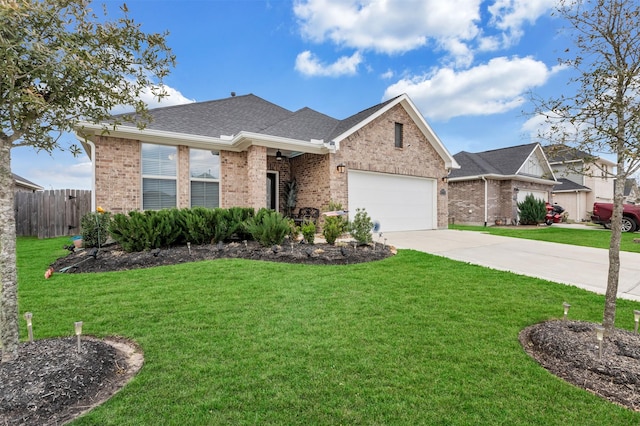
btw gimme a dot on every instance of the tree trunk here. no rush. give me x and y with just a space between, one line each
611 295
8 278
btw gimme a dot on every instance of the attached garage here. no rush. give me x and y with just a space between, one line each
397 202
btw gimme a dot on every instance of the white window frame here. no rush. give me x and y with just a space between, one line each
203 179
166 177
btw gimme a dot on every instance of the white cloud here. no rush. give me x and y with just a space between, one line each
390 26
456 27
510 16
387 74
495 87
309 64
174 98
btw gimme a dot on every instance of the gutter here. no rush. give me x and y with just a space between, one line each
486 201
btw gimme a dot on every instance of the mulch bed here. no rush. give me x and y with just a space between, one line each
113 258
569 350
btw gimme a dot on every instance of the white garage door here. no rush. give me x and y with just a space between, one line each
398 203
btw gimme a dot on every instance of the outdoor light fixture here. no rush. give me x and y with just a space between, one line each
445 179
636 318
78 326
279 156
600 337
566 307
29 315
341 168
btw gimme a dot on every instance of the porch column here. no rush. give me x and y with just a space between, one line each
257 176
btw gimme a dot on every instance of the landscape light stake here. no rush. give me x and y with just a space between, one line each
600 337
28 316
189 247
566 307
78 326
636 318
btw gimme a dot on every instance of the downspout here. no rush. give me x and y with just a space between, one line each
486 202
93 175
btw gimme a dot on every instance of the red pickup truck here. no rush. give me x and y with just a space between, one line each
630 216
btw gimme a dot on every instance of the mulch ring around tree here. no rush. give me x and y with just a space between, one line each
113 258
51 383
569 350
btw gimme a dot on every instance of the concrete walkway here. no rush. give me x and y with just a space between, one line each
583 267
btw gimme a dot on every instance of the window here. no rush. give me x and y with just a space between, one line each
159 167
204 172
399 127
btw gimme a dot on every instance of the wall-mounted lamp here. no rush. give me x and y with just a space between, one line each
279 156
341 168
516 189
445 179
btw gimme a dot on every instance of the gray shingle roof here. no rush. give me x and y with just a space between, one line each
251 113
20 179
503 161
569 185
559 153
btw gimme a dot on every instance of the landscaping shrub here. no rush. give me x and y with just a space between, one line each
199 224
361 227
95 228
308 230
334 226
237 218
268 227
144 231
532 210
294 230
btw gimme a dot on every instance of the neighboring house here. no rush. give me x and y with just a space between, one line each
23 185
585 180
240 151
631 192
489 185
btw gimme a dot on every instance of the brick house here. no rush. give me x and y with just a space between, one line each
241 150
21 184
489 185
583 180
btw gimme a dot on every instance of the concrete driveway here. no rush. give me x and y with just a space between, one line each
583 267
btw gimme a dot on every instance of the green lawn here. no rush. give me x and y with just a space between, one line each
597 237
414 339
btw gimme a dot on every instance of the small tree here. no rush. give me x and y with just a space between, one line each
603 114
60 63
361 227
532 210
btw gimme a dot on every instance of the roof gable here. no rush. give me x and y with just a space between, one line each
521 160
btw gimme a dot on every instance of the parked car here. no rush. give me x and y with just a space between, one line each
630 216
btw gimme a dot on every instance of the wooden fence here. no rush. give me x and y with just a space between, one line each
51 213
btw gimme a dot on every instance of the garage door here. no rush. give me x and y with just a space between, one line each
398 203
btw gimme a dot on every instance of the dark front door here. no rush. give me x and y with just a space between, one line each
272 191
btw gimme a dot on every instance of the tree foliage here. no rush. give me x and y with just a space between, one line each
61 62
600 112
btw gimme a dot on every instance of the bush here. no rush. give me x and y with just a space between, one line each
308 230
361 227
334 226
268 227
145 231
532 210
95 229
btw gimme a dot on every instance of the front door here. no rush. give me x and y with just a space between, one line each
272 190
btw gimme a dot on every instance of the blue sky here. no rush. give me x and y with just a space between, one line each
468 65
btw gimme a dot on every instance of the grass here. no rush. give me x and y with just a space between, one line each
414 339
597 237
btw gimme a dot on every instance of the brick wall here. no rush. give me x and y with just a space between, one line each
312 174
183 184
466 200
118 181
256 176
233 178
